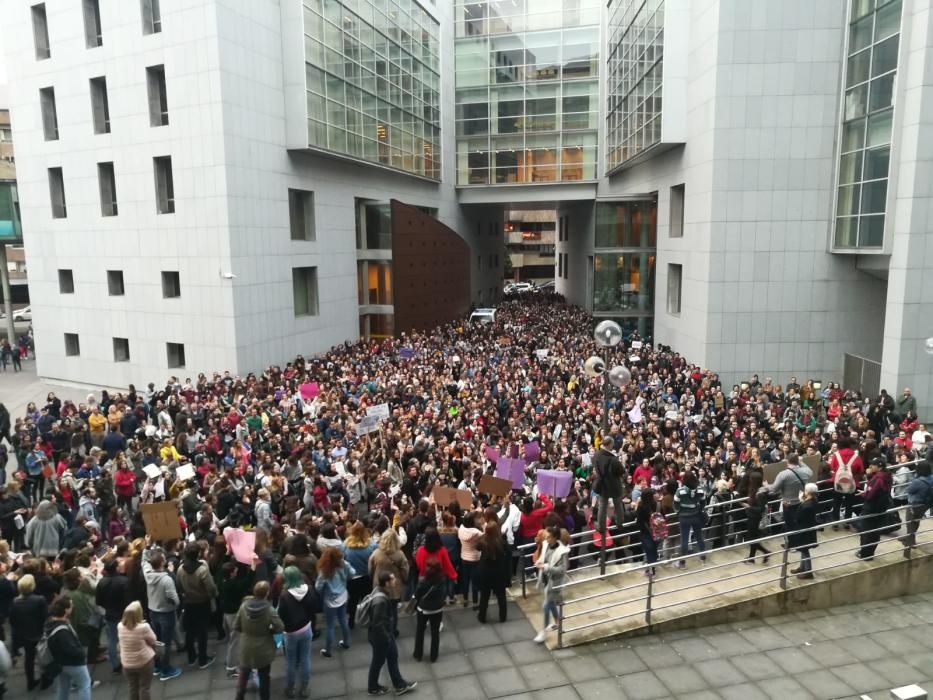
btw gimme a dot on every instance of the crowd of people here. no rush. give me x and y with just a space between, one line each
347 531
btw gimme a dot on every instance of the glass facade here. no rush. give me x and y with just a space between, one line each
868 109
527 90
624 263
635 65
373 82
10 227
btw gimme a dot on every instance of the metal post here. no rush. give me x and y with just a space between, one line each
648 601
601 525
560 625
784 564
7 298
521 565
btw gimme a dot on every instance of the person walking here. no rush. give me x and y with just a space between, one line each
382 640
137 651
113 595
877 500
756 512
163 605
390 558
803 539
257 622
429 598
689 501
67 651
199 591
235 583
296 609
494 572
27 619
332 576
552 572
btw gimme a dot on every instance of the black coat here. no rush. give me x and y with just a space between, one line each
609 473
495 568
113 595
64 645
806 518
430 594
27 617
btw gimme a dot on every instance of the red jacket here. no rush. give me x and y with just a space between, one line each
534 521
845 454
124 481
422 556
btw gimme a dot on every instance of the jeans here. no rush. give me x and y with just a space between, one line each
331 617
914 516
688 524
233 642
649 547
78 675
385 652
467 579
806 565
264 688
197 621
602 511
421 627
139 680
113 646
550 608
848 499
484 602
163 624
298 657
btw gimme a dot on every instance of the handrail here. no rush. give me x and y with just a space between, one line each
650 594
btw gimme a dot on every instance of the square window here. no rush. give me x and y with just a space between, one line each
677 211
115 283
301 215
121 350
176 355
171 284
66 282
305 292
674 282
72 345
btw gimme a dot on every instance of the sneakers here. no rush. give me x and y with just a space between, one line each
326 654
552 627
407 688
170 674
381 690
210 660
681 564
540 637
343 645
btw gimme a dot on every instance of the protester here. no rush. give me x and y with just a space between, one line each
429 599
333 573
877 499
27 620
494 572
553 573
257 622
382 641
803 538
163 602
68 653
296 610
199 591
137 644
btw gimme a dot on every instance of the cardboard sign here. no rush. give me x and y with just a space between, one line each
772 470
185 472
380 411
445 495
161 520
504 340
152 471
554 483
494 486
532 452
513 470
242 543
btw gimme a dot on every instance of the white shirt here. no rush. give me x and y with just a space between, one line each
919 438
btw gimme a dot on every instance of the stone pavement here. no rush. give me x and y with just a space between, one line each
838 653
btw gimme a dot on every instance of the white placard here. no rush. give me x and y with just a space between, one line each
636 345
542 354
367 424
185 472
152 471
634 359
557 430
380 411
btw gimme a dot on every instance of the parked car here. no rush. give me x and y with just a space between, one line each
547 286
24 314
519 287
483 316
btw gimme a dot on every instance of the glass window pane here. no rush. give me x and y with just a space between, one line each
850 168
847 204
882 92
873 197
888 20
876 162
846 230
860 8
884 56
879 128
853 135
857 68
860 34
871 231
856 102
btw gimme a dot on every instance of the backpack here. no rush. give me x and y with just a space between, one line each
657 524
43 653
364 610
844 481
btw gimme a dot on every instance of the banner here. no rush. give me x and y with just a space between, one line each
309 390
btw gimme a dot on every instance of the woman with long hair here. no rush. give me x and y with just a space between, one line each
357 549
645 519
494 570
429 595
389 558
137 650
333 573
469 559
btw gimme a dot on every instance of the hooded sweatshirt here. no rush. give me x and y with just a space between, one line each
195 581
257 621
160 588
296 608
44 531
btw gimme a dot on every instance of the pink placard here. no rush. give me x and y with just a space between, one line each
242 543
309 390
492 454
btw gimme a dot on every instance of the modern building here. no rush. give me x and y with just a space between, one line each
225 184
530 245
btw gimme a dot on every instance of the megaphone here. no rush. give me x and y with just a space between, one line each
594 366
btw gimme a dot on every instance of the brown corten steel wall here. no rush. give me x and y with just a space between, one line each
430 270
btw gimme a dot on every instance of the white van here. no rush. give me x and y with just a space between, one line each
483 316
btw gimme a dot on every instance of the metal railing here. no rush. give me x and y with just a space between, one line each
643 589
629 529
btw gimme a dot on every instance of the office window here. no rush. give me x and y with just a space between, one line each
66 282
40 32
108 189
158 102
72 345
152 17
171 284
92 34
57 193
301 214
677 211
49 113
674 282
115 283
566 265
165 187
176 354
304 289
100 106
121 350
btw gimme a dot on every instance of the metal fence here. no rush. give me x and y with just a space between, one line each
861 374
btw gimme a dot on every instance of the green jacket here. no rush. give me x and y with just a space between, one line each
256 622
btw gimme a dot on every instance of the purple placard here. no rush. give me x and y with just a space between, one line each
492 454
554 483
513 450
513 470
532 452
406 353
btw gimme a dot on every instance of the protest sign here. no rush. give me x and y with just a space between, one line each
367 424
242 543
532 452
492 454
554 483
152 471
185 472
161 520
445 495
309 390
772 470
504 340
495 486
380 411
513 470
513 450
406 353
542 354
636 345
